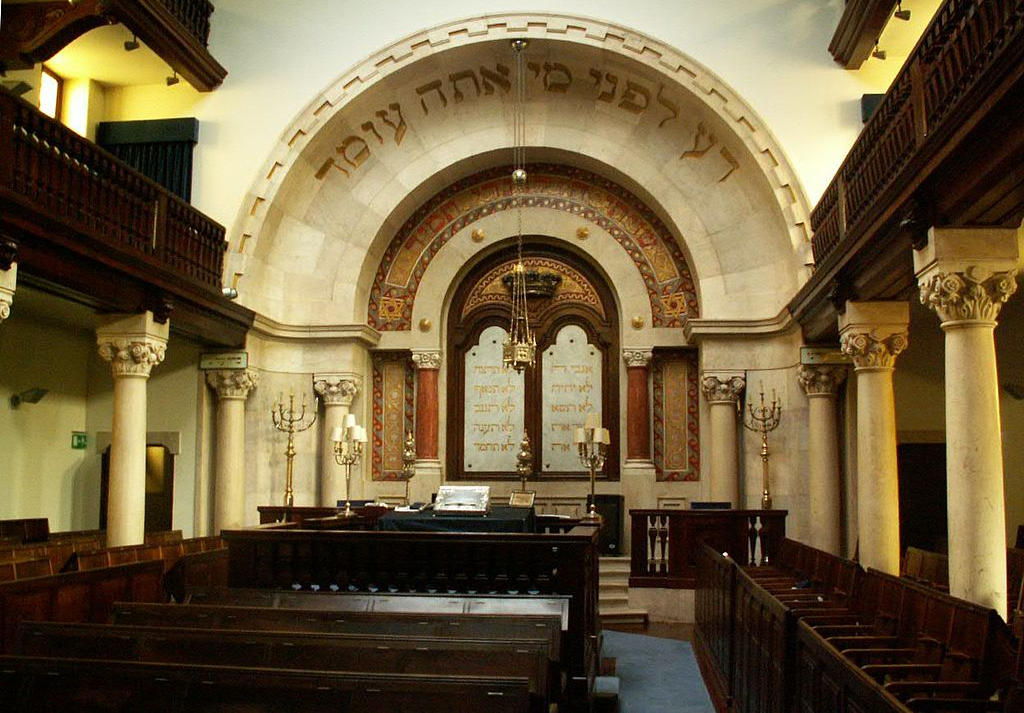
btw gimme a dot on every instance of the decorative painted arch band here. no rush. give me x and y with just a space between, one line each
648 242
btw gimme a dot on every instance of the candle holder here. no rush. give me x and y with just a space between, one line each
764 419
348 448
408 463
591 445
286 421
524 462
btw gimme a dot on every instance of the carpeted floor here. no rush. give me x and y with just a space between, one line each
656 675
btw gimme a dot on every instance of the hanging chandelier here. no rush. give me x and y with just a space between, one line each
520 349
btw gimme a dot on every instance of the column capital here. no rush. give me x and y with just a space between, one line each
336 389
874 333
232 383
637 356
723 386
8 283
426 358
967 273
821 379
133 344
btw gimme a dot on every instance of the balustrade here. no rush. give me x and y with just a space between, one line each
948 76
110 209
194 15
665 542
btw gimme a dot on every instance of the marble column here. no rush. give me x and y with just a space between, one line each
8 276
428 365
638 413
874 334
723 390
232 387
821 382
965 276
133 344
337 392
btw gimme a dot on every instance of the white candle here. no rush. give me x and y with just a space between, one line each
336 434
579 436
350 420
592 421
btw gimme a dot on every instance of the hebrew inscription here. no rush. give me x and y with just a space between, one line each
571 377
493 408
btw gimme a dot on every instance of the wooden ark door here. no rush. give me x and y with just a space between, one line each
159 488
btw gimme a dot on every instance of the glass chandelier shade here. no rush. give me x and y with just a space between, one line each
519 351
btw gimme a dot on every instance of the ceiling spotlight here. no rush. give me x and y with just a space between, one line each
229 292
17 88
900 13
132 44
28 396
173 79
878 53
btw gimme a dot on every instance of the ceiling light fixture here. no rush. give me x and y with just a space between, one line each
900 13
132 44
173 79
878 53
29 396
520 349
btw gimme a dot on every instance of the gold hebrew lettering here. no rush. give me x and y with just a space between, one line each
633 92
431 87
454 78
671 106
703 140
400 127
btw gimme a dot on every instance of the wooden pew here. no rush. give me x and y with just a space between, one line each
520 626
70 684
529 658
75 596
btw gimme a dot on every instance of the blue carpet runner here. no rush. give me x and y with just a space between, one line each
656 675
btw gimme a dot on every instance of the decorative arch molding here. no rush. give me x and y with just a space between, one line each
675 67
633 225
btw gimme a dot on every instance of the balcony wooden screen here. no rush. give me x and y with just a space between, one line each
160 149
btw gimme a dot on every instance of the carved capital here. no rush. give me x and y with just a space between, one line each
232 383
821 379
427 359
8 253
130 357
8 282
723 388
869 350
335 389
974 294
637 357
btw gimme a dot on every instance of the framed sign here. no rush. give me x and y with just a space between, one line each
522 498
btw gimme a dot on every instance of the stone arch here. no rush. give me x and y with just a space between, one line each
643 236
365 136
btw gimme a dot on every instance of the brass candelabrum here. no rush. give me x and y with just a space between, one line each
591 444
764 419
524 462
286 421
408 463
348 445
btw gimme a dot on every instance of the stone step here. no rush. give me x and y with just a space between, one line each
612 587
607 603
635 617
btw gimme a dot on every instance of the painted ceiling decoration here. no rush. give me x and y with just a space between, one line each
603 203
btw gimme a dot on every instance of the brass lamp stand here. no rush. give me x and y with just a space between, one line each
286 421
591 445
764 419
348 448
408 463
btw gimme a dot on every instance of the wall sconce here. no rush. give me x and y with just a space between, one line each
878 53
29 396
229 292
132 44
173 79
900 13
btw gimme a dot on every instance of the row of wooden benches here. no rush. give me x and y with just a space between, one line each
817 632
313 658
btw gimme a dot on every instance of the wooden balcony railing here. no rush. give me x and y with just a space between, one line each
194 15
950 75
665 542
117 213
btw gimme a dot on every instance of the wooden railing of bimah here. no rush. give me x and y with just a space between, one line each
434 562
951 73
111 209
665 542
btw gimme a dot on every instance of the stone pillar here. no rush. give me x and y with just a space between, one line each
638 413
133 344
428 364
965 275
723 391
8 276
337 392
873 334
820 382
232 387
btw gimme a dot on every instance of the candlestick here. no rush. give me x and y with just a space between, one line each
591 445
286 421
408 463
348 448
764 419
524 461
